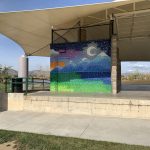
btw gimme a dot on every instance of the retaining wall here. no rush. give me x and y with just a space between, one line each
108 107
100 106
11 101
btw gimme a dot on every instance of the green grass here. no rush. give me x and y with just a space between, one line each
28 141
2 87
79 85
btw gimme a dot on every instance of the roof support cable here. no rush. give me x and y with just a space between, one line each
40 49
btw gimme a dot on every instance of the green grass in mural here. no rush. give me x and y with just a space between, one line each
80 85
64 77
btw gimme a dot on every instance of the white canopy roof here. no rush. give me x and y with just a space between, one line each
32 29
133 31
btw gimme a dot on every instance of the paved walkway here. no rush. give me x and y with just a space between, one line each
130 131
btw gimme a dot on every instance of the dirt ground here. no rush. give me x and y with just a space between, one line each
8 146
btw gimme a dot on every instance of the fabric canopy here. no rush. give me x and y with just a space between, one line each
32 29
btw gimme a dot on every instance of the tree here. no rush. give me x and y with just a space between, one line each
4 73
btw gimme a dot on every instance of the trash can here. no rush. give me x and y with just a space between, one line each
17 85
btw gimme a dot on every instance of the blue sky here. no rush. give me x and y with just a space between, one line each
10 51
16 5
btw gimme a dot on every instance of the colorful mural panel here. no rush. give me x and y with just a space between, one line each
81 67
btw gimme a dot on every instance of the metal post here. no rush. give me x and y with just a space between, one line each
79 34
111 28
27 77
6 85
52 41
26 92
32 84
43 84
52 36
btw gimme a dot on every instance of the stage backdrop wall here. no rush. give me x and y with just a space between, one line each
81 67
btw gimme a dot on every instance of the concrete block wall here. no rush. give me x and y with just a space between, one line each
94 106
11 101
104 106
15 101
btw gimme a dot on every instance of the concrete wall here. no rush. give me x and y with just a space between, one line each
104 106
101 106
11 101
15 101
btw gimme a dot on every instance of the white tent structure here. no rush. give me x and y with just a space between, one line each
32 29
133 31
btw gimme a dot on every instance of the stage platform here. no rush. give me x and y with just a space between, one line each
130 91
126 104
122 94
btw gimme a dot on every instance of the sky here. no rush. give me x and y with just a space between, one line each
16 5
10 51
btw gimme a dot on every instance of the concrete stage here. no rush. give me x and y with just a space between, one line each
124 94
128 90
126 104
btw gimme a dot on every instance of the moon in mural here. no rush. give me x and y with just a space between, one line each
91 51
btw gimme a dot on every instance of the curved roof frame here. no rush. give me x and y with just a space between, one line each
32 29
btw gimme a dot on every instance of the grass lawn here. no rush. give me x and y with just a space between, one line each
28 141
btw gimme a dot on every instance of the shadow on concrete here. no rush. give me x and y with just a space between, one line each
3 102
135 87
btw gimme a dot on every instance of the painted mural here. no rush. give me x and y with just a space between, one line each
81 67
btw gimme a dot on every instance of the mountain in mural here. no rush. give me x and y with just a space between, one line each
56 70
101 63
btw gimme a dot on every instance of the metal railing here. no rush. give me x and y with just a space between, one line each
83 33
24 85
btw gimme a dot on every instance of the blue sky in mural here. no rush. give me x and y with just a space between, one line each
93 53
10 51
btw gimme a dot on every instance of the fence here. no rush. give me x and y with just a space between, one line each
2 85
24 85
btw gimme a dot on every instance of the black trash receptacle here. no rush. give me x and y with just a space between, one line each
17 85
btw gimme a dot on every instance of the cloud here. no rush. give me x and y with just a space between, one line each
139 65
130 70
84 59
143 67
53 53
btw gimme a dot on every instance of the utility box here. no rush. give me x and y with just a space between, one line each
17 85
